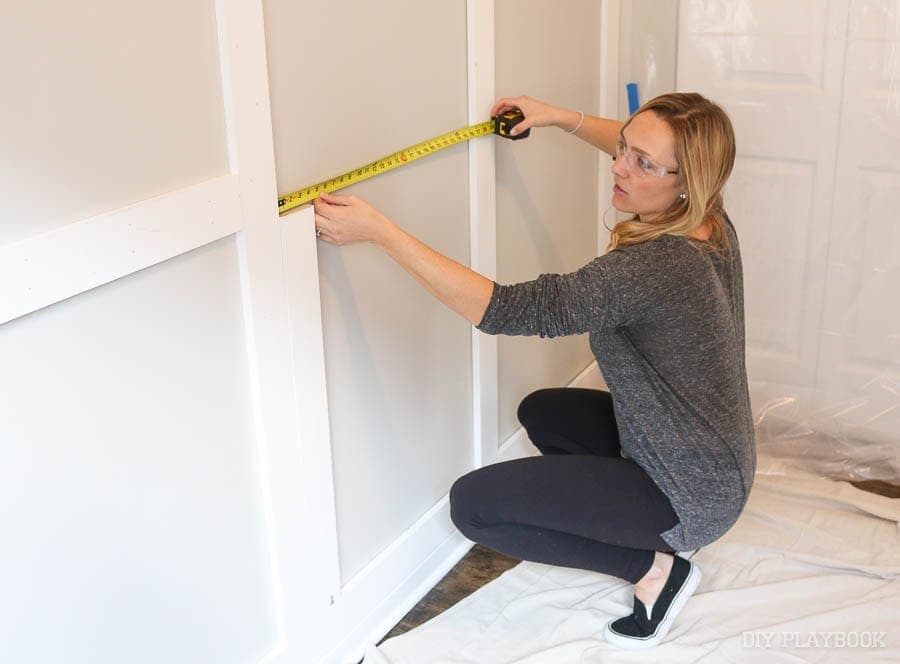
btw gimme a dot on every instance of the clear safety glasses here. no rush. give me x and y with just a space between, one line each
639 163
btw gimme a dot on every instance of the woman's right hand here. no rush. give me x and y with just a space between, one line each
537 113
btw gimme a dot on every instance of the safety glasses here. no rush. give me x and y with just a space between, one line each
639 163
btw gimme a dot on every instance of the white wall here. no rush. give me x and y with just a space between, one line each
68 78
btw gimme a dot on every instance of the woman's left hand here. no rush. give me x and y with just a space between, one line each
347 219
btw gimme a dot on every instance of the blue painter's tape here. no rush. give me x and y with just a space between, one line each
633 103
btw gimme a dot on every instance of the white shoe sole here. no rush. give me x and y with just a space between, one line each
639 643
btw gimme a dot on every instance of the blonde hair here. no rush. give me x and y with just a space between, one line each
704 148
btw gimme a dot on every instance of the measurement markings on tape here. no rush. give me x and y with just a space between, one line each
500 125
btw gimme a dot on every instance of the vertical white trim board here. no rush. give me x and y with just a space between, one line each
482 223
319 557
251 153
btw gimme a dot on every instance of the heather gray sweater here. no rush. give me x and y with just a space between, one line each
666 325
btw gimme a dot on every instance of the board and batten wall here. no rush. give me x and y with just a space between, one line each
146 418
212 423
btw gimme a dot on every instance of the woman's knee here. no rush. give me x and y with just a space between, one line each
460 502
532 405
467 497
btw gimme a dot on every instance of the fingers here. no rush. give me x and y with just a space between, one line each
321 224
325 212
508 103
329 205
527 123
337 199
323 209
537 114
503 105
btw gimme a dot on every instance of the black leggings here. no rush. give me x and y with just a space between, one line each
579 505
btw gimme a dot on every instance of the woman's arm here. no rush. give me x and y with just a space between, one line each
611 290
465 291
599 132
345 219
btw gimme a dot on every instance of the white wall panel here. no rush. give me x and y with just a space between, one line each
105 104
547 183
134 525
367 79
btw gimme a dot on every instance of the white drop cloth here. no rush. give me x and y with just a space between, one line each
809 558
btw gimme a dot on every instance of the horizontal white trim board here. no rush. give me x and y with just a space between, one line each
56 265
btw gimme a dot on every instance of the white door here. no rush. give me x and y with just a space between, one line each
858 380
811 87
776 68
151 470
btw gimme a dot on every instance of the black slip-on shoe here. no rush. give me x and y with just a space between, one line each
643 629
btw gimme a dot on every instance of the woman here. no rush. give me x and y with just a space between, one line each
665 460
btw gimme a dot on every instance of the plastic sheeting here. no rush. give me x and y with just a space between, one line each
835 442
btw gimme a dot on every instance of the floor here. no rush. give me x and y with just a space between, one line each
482 565
478 567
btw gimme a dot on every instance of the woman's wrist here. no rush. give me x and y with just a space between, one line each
568 120
388 232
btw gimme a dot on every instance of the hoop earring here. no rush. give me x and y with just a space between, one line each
603 218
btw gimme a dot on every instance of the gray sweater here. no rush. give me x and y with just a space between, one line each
666 325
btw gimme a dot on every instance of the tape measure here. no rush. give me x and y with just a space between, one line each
500 125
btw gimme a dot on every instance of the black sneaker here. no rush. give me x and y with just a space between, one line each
643 629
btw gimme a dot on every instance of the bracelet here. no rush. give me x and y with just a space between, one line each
578 126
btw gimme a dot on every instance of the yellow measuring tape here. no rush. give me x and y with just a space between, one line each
499 125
